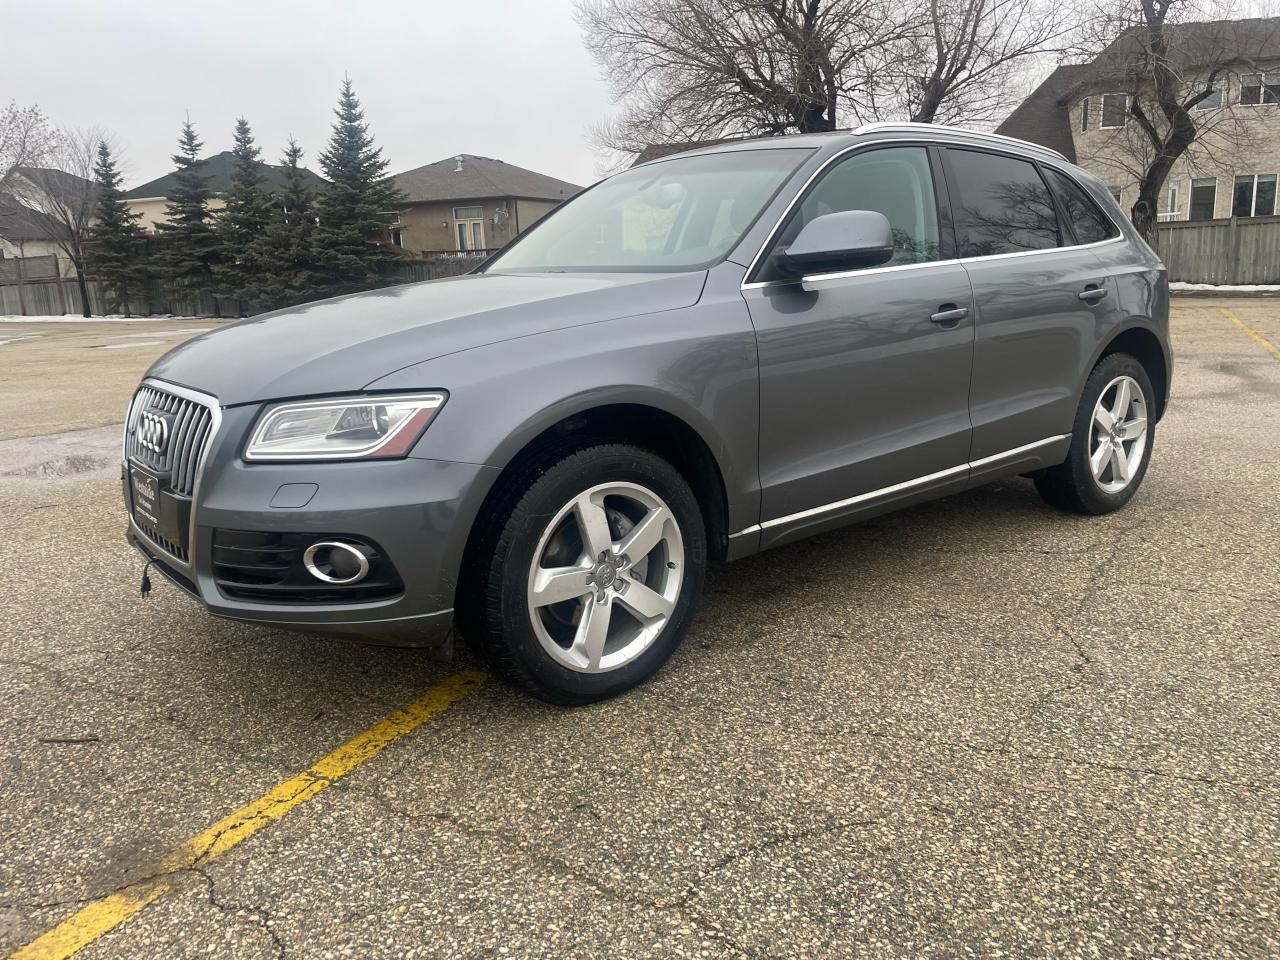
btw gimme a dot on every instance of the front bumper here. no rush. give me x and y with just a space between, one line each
418 511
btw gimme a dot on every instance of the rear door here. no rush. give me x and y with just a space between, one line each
864 375
1040 298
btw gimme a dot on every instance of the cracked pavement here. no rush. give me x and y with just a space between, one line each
976 727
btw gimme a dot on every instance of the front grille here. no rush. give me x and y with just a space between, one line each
173 549
191 424
268 567
175 576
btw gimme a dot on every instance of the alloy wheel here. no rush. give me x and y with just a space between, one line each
1119 435
605 577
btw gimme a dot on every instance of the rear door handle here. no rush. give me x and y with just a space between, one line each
1093 293
950 314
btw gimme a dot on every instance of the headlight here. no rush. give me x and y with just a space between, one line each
345 428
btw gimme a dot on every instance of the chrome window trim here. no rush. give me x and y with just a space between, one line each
819 277
209 402
889 125
917 140
897 487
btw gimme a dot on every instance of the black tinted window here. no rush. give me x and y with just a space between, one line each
894 181
1088 222
1001 205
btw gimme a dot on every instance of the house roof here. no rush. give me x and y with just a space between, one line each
468 177
20 222
1044 116
217 171
1195 44
58 183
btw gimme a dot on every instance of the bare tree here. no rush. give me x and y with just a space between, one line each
63 189
962 62
1175 60
691 70
24 138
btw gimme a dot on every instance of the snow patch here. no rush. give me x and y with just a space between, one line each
1180 287
12 319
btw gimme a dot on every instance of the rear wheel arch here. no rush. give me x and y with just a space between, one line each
1144 346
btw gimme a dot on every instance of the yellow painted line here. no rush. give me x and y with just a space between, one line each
113 909
1262 341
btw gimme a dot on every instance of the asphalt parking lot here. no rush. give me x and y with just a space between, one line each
975 728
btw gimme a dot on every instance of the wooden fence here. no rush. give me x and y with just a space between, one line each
39 293
13 269
1235 251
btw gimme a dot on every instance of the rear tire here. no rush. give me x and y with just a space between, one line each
584 582
1111 441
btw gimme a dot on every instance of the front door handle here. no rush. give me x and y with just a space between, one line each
1093 293
949 315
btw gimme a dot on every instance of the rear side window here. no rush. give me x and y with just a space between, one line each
1001 205
1088 222
894 181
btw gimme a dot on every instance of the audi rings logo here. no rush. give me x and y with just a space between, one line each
153 432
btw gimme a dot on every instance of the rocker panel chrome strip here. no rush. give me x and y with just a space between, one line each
897 487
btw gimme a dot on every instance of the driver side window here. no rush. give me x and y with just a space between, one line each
894 181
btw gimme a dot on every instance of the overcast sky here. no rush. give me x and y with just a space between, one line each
501 78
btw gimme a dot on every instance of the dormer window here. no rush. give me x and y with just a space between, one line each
1260 88
1115 107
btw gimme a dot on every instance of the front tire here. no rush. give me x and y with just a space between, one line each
1111 441
587 584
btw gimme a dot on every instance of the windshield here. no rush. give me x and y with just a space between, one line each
679 214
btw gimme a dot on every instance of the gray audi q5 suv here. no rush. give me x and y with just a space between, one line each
702 357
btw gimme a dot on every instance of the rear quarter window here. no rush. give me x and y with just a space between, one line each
1089 223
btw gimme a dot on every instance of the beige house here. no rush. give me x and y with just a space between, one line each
1084 112
470 203
150 199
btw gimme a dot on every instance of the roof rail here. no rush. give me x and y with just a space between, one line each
918 127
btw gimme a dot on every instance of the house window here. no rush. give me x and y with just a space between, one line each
1258 88
1171 200
469 226
1084 114
1114 108
1213 99
1115 192
1204 198
1254 195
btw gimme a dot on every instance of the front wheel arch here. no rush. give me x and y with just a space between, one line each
641 425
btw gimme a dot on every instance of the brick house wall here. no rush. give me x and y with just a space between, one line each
1104 151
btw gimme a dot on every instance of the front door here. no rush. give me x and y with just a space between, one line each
864 375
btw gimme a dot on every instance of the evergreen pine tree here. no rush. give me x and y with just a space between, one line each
117 249
354 211
285 254
243 219
189 247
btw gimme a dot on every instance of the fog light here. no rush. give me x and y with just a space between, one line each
336 562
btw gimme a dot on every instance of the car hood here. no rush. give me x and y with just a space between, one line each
341 345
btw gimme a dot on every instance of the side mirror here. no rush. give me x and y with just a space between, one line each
848 240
